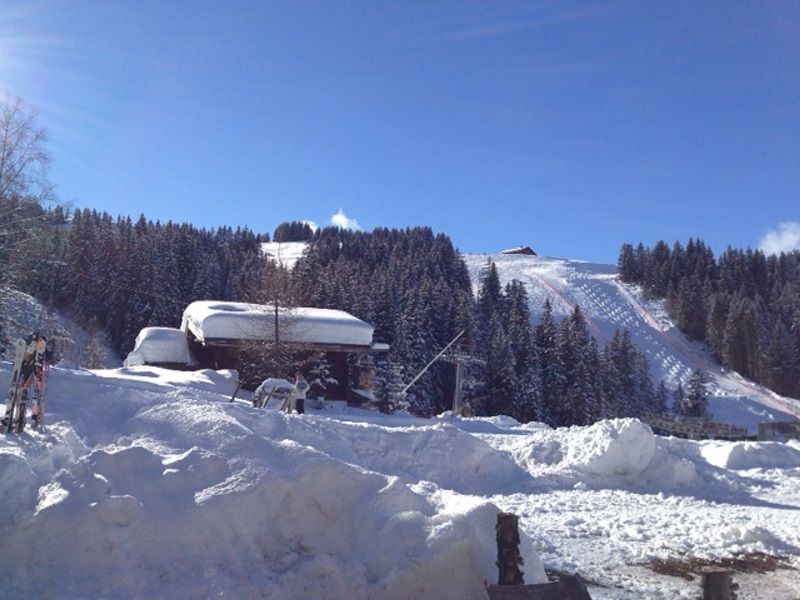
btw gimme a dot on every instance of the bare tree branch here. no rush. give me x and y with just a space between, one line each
23 156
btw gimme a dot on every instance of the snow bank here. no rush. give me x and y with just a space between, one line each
154 489
160 345
455 460
614 447
207 319
751 455
151 483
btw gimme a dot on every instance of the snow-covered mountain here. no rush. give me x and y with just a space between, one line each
151 484
609 304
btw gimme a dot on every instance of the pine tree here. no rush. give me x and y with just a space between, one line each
501 376
546 340
319 375
489 302
779 361
577 350
621 353
695 404
741 343
93 355
645 397
678 398
715 323
661 398
626 264
689 310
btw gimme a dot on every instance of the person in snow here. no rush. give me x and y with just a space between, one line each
36 354
299 392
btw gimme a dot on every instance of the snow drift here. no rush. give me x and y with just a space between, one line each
151 484
150 489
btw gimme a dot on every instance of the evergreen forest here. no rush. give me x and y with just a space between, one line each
744 305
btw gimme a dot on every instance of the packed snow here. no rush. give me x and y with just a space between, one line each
150 483
159 345
209 319
607 304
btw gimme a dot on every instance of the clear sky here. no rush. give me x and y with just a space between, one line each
570 127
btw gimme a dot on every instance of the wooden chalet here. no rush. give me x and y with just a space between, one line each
233 334
525 250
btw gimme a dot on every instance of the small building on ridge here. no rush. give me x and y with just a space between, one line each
526 250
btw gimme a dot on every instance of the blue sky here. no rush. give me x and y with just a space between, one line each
571 127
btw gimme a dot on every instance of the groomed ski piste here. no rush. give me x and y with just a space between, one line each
607 304
151 484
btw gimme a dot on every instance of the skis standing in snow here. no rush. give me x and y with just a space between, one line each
31 366
13 397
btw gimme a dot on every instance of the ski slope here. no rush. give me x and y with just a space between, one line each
609 304
151 484
286 254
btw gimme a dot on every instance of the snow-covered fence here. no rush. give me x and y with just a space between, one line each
780 431
694 428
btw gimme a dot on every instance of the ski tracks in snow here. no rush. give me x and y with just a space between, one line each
608 305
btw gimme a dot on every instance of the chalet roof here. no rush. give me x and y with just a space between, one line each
209 320
520 250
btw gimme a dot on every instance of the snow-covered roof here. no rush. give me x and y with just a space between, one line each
160 345
520 250
214 320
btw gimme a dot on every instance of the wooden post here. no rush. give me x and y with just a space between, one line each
717 585
508 558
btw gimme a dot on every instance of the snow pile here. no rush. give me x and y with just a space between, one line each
150 483
160 345
614 447
208 319
752 455
158 487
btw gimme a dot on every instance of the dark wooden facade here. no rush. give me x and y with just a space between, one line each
350 365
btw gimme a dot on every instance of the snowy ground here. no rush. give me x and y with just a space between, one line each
608 305
150 484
